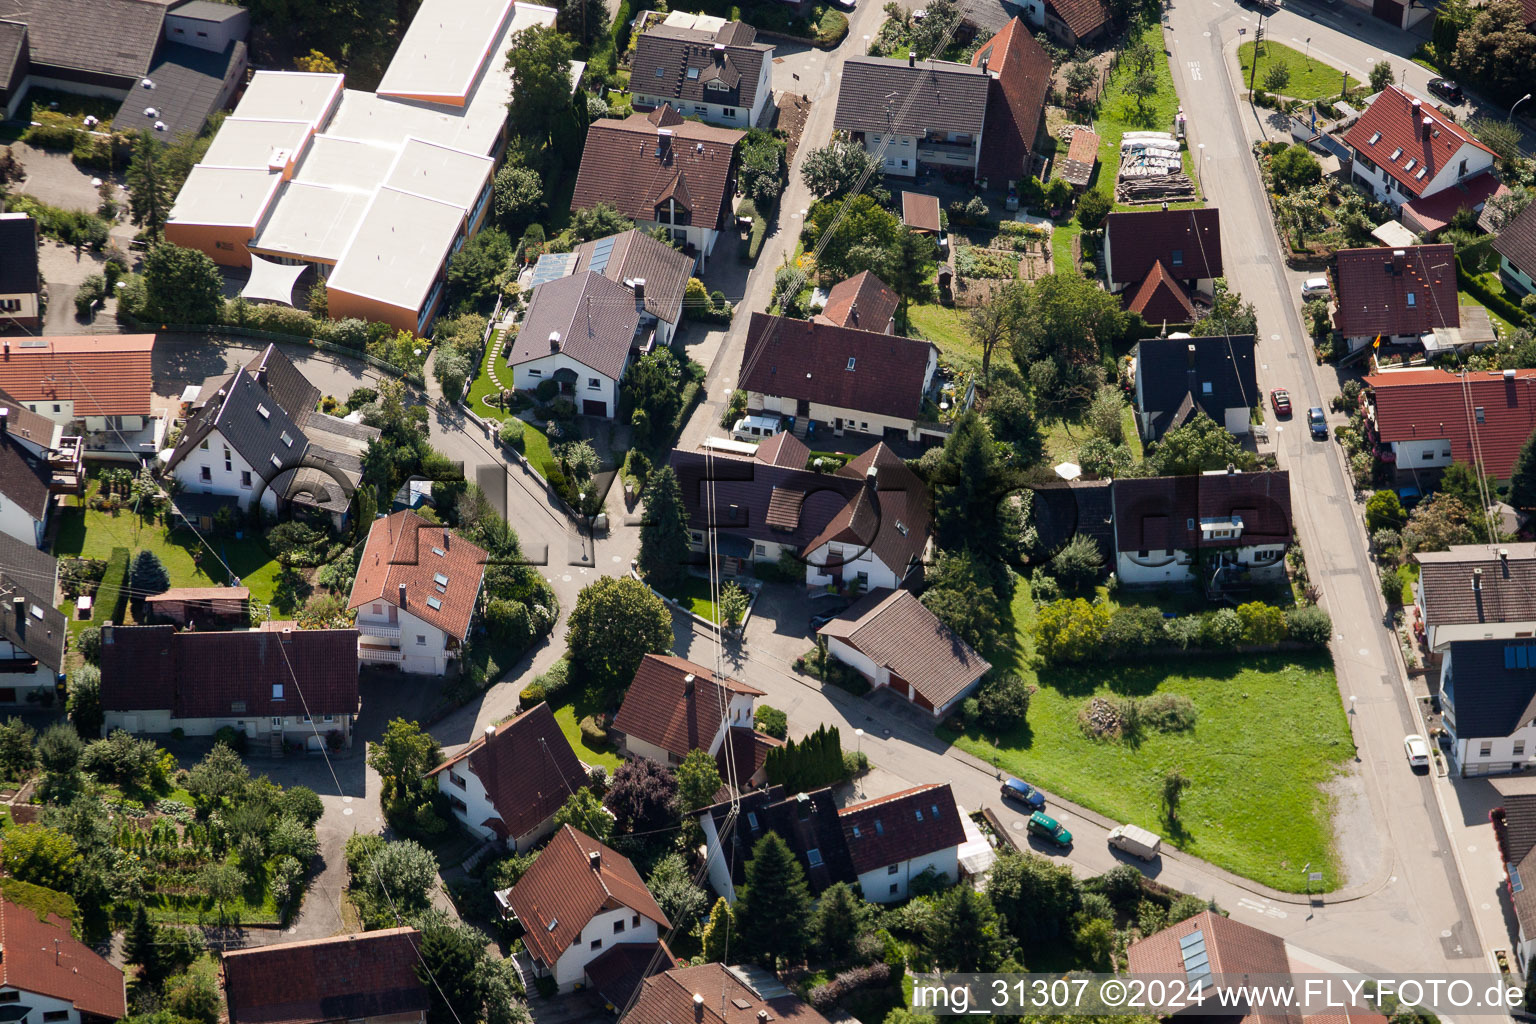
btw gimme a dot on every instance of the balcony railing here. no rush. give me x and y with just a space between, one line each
378 629
379 655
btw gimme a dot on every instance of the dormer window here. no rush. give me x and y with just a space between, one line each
1410 164
1375 136
1421 173
287 439
693 74
1397 152
851 361
261 411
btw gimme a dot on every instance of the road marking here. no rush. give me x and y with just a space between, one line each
1194 70
1206 34
618 558
1365 652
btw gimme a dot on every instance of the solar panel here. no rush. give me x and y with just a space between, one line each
1197 962
1515 885
552 267
600 254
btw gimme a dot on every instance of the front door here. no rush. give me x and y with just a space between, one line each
803 408
7 695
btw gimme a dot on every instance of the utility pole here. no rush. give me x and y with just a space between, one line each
1258 44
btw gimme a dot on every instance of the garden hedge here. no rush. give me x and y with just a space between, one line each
1482 293
112 595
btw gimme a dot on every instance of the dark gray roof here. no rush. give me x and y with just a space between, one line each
1210 375
18 248
1516 833
40 629
23 478
595 318
1505 591
931 96
110 37
13 39
635 254
1063 510
1516 243
988 15
25 565
805 821
1487 690
664 55
189 83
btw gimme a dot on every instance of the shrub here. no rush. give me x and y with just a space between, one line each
1309 624
1004 701
88 643
771 721
546 390
1391 584
1134 628
1168 712
1262 623
593 734
231 738
1221 630
826 996
1384 512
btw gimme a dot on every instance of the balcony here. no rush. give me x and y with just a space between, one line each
64 463
378 629
378 654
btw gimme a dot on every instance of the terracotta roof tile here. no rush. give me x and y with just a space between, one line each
1161 298
42 956
563 889
912 823
1437 404
1433 212
744 752
861 302
404 549
30 426
635 254
896 631
1189 241
1373 288
667 998
527 767
783 449
201 594
1233 948
1082 154
1517 242
342 978
620 167
920 211
804 359
1021 77
666 708
104 375
617 971
1396 126
1082 17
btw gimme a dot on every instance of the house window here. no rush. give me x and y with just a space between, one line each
634 922
752 820
54 1015
457 804
227 466
661 72
891 869
596 944
693 74
456 779
1461 172
1178 257
307 719
245 478
277 691
698 538
893 886
1428 456
205 473
1412 301
56 407
328 718
814 856
700 110
10 997
421 641
594 384
863 580
851 361
761 551
729 111
1205 387
378 609
1519 748
1142 554
903 163
618 927
535 373
1478 413
203 446
1485 749
277 723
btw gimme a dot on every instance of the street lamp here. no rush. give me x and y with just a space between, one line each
1200 167
1519 101
1309 51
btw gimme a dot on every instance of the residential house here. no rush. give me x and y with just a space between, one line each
416 594
294 687
910 113
1405 151
704 66
862 302
579 332
712 994
1472 592
845 378
49 975
1082 156
1210 944
895 839
920 212
191 607
1514 830
662 171
1158 260
1179 378
1426 419
1215 527
21 284
654 271
508 784
363 978
807 822
1020 70
895 642
32 630
257 436
674 707
26 488
171 65
865 525
1398 295
1516 246
370 191
96 385
579 898
617 972
1065 509
1072 23
1488 702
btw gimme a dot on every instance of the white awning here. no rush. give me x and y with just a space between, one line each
1069 470
272 282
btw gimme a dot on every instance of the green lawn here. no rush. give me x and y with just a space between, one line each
1120 112
693 594
1311 79
1061 246
536 449
1466 298
569 716
1271 733
945 326
484 386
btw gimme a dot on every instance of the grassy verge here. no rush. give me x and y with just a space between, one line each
569 717
1119 112
1062 237
1466 298
945 327
1311 79
536 449
1256 803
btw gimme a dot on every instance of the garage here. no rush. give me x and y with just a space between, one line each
594 407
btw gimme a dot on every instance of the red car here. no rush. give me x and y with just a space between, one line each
1281 400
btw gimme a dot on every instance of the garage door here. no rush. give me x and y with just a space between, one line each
590 407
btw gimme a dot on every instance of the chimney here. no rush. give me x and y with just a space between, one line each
911 59
1508 375
762 1017
106 634
698 1006
261 378
554 341
1399 260
688 685
1429 123
1231 469
402 595
19 612
5 420
446 535
595 859
984 61
1504 555
1191 348
872 476
639 289
1477 580
490 731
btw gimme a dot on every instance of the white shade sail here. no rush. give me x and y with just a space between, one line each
271 281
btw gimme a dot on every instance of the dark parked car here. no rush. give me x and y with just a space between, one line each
1446 90
1024 793
1049 829
1318 423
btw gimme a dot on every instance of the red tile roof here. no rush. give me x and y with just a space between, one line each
405 549
527 767
346 977
921 211
1163 513
1189 241
104 375
620 167
894 630
1373 288
216 675
668 999
40 956
618 970
744 752
1021 77
892 520
1426 405
863 302
1161 298
1434 212
1082 17
677 705
1396 125
563 890
201 594
1083 153
1233 949
783 449
912 823
803 359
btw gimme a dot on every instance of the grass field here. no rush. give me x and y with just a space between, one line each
1120 112
693 594
1311 79
569 717
1270 735
945 326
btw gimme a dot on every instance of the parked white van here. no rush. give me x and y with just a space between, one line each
755 428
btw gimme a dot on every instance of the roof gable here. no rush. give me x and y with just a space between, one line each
1216 373
1517 242
1391 291
896 631
103 375
1491 686
1470 583
631 164
1163 513
1021 77
1408 139
891 829
586 316
1188 241
33 624
677 705
439 571
1161 298
635 256
861 302
42 956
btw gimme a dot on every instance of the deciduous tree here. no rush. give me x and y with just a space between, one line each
1036 897
540 62
616 622
1497 51
839 168
1229 314
1201 444
182 285
41 855
584 812
642 797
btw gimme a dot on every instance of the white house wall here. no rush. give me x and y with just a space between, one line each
1422 454
880 575
477 805
221 481
878 675
571 968
1133 567
527 376
890 884
900 155
41 1006
719 870
17 522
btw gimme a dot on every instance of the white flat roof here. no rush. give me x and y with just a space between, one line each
701 22
345 163
235 196
398 250
445 48
438 172
311 222
289 95
244 142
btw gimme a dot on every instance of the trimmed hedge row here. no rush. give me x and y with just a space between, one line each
1482 293
112 595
